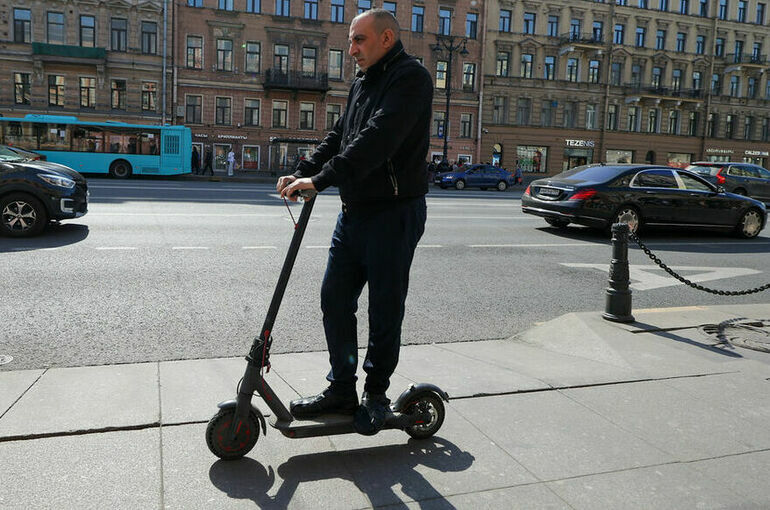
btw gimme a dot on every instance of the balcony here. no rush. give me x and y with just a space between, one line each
63 53
295 80
745 62
580 41
635 92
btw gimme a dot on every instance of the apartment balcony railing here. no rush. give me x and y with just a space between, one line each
649 90
295 80
747 58
67 53
590 38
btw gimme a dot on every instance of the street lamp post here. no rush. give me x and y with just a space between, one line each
445 44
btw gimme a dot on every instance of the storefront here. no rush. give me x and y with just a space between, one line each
531 158
717 154
757 157
578 153
618 156
678 159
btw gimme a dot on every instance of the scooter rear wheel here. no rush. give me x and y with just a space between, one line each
426 403
220 440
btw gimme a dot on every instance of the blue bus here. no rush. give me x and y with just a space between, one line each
114 148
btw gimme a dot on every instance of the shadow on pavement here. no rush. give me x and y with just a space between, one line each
55 236
375 471
653 330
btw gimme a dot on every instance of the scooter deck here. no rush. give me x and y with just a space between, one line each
333 424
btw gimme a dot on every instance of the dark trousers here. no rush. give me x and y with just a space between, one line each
373 245
208 167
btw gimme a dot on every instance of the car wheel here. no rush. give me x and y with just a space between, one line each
120 170
502 186
750 224
460 184
554 222
630 217
740 191
22 215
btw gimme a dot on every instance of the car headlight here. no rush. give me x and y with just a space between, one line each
57 180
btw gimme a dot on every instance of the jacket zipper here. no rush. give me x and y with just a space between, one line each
392 175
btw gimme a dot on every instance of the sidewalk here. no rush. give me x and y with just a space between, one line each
575 413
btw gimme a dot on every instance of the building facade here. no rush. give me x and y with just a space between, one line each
665 82
96 60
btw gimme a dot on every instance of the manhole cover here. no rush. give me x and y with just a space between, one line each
5 359
749 333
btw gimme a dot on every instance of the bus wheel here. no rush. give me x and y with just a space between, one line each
120 169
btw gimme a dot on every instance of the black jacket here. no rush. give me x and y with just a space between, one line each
377 148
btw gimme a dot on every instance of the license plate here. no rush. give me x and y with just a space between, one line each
550 192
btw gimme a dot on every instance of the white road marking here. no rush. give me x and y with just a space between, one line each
116 247
259 247
646 277
189 247
317 247
536 245
430 246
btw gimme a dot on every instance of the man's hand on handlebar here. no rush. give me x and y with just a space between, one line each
289 187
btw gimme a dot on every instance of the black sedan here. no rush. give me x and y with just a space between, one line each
641 195
33 193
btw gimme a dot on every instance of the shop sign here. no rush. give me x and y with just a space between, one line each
579 143
756 153
719 151
233 137
200 135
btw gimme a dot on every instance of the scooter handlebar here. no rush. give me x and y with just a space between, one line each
307 194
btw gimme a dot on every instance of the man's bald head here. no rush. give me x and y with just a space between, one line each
383 20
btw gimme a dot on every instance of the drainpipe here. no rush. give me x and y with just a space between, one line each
608 65
707 83
165 47
479 133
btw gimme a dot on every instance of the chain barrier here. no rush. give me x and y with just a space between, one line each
684 280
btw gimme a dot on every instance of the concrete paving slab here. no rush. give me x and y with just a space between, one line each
86 398
555 437
391 467
687 428
552 368
277 473
673 486
662 318
745 475
116 470
191 390
14 384
525 497
459 375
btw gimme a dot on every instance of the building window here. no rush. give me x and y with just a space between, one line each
570 114
756 52
549 68
505 21
251 112
751 90
87 92
735 86
364 5
593 71
652 120
616 71
719 47
722 14
684 6
194 52
503 57
87 31
282 8
692 125
590 116
418 13
225 5
760 20
598 33
697 80
641 34
55 28
333 112
498 110
280 109
466 121
526 65
729 126
700 44
636 75
338 11
193 109
469 77
224 114
676 80
224 55
444 21
471 25
553 26
704 8
546 113
335 64
149 37
529 23
281 59
118 34
612 117
441 67
311 9
22 25
716 84
118 94
748 127
307 115
149 95
55 90
574 29
438 124
657 74
253 57
766 129
572 69
681 40
633 119
738 56
21 88
673 122
309 58
742 8
523 111
254 6
663 5
390 7
620 34
194 3
711 123
660 40
767 89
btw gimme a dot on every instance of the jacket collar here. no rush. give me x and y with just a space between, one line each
382 65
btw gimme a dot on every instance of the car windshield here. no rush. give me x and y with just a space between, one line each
10 156
598 173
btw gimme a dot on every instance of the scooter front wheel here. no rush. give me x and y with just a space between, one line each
221 440
431 405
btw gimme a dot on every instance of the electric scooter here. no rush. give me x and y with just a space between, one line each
234 430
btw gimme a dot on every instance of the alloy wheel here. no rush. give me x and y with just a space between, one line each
19 216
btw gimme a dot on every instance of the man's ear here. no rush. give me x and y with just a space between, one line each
388 37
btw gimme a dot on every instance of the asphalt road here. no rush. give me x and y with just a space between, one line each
162 270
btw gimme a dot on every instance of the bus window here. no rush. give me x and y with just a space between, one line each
53 137
120 142
19 135
148 143
88 140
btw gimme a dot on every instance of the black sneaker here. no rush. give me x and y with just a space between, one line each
370 415
327 402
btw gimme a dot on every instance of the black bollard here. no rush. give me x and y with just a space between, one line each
617 306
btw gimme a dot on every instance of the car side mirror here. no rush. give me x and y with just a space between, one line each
721 189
